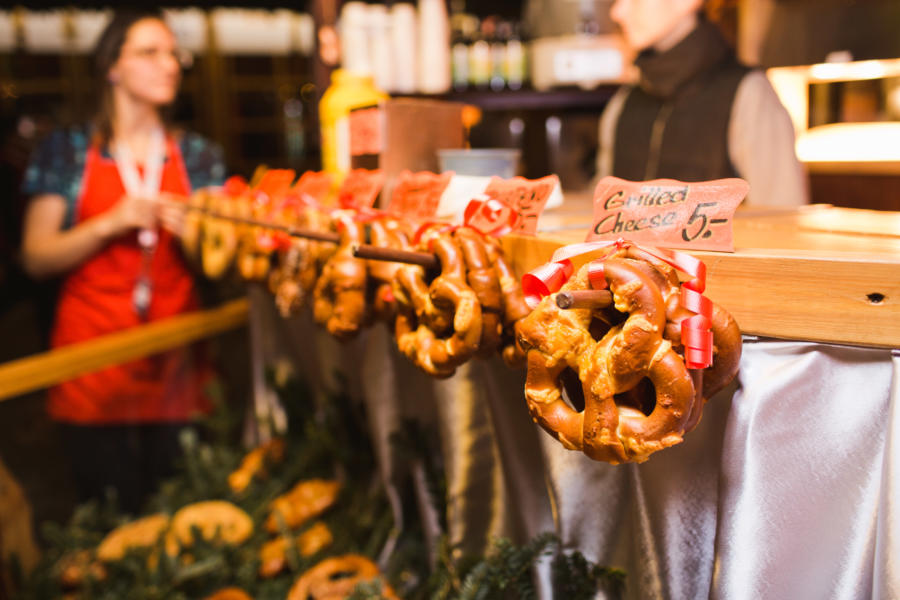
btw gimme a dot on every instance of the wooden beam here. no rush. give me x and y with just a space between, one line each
60 364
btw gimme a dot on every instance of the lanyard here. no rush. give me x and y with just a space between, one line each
147 186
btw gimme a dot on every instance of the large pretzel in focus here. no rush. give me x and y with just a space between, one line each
340 292
514 306
627 353
438 326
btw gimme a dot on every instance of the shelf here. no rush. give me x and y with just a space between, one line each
530 99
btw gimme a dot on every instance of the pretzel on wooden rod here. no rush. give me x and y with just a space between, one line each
638 395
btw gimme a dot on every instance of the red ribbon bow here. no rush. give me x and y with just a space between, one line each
695 331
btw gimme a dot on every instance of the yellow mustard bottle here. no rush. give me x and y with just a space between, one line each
348 91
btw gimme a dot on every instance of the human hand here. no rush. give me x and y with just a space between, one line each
170 210
131 213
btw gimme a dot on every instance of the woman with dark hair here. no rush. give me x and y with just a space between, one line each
102 216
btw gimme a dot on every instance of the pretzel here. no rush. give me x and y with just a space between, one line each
725 330
340 293
141 533
514 306
627 353
229 593
482 278
253 260
273 554
215 519
192 228
334 579
295 278
385 234
304 501
441 329
254 463
220 237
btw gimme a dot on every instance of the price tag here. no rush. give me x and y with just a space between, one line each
417 195
668 213
276 182
360 188
527 197
315 184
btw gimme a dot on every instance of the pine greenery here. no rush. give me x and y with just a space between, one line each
328 439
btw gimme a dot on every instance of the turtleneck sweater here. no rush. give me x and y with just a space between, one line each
697 114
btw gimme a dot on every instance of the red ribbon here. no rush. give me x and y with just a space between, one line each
489 210
695 330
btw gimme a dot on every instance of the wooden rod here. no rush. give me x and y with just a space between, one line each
66 362
584 299
424 259
321 236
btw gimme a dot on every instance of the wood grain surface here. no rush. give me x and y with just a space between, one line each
816 273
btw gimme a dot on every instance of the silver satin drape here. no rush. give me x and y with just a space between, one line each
788 488
785 490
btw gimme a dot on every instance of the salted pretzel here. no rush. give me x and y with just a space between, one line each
273 554
482 278
725 330
340 294
253 258
142 533
219 241
254 463
385 233
514 306
192 228
440 329
557 339
294 280
304 501
334 579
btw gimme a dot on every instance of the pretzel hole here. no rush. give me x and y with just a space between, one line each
641 397
570 386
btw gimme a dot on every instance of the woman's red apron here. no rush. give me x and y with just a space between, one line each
96 299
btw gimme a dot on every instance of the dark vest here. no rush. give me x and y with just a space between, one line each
674 124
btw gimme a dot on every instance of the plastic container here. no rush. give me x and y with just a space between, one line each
484 162
347 91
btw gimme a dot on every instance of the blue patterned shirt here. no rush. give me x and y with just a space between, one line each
57 165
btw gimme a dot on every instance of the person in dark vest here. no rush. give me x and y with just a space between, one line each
696 113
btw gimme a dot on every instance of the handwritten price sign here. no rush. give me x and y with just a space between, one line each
360 188
527 197
276 182
417 195
315 184
668 213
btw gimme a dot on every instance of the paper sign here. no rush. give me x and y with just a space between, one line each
526 196
668 213
360 188
365 131
490 216
315 184
276 182
417 195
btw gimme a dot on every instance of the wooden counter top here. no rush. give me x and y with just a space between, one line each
816 273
